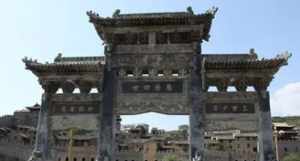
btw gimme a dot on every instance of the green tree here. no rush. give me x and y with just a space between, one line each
292 157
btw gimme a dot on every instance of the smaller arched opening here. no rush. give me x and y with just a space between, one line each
59 91
212 89
231 89
94 90
76 91
250 89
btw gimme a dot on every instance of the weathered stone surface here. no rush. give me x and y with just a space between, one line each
106 119
265 136
197 113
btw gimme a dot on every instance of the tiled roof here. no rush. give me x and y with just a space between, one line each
153 19
229 57
71 60
153 15
67 65
245 64
244 61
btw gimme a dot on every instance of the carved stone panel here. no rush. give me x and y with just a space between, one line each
224 125
66 122
70 111
162 96
161 103
153 60
231 111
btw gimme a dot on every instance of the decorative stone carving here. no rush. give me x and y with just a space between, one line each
222 85
261 84
85 86
68 86
50 86
241 85
143 106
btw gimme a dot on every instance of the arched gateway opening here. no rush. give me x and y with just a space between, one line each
152 136
153 63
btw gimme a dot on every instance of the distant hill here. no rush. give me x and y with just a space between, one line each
292 120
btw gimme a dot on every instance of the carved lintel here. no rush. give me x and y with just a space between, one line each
138 107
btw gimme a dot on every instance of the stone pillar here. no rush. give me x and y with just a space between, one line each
106 118
41 148
265 136
196 116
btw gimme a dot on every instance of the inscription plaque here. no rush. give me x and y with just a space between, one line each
215 108
152 87
74 109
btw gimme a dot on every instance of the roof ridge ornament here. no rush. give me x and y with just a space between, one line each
253 53
116 13
27 60
58 57
93 15
189 9
212 11
285 55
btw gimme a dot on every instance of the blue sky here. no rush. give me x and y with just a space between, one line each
41 29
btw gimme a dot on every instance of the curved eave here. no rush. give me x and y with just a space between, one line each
75 68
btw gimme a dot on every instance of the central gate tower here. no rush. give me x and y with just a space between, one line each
153 64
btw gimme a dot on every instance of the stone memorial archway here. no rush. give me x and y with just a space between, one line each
154 63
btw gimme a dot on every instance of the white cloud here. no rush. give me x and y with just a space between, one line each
286 101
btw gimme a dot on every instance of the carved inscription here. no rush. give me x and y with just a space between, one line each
229 108
74 109
152 87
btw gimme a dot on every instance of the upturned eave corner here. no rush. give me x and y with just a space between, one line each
285 56
93 16
211 13
29 63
